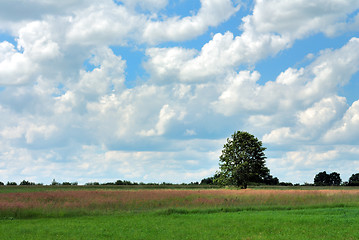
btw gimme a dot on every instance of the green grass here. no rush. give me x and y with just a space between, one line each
328 223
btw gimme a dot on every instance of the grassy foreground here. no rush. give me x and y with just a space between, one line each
328 223
180 214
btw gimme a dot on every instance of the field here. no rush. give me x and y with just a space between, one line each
136 213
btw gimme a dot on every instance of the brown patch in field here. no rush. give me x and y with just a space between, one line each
165 198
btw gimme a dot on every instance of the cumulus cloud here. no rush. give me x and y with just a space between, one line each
298 18
151 5
65 109
106 22
316 85
15 68
212 13
165 116
346 129
35 46
264 34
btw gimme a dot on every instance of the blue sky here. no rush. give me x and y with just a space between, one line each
149 90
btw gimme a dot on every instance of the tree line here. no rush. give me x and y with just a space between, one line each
320 179
117 182
333 179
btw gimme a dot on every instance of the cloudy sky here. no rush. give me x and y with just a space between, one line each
149 90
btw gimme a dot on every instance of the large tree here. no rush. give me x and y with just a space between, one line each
242 161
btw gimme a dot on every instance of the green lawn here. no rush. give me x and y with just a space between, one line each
323 223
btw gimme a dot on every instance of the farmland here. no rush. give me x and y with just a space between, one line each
120 213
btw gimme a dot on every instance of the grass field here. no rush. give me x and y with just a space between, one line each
110 213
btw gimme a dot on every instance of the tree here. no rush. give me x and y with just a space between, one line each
242 161
354 180
334 179
270 180
207 181
321 179
24 182
324 179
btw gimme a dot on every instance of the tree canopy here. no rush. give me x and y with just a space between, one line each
242 161
324 179
354 180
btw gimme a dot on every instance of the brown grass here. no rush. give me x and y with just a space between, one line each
142 200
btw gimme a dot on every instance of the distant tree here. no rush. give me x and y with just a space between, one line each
54 183
108 183
207 181
119 182
24 182
242 161
285 184
1 184
11 183
270 180
334 179
324 179
354 180
193 183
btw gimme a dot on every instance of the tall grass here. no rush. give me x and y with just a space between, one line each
85 202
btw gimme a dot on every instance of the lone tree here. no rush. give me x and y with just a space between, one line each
242 161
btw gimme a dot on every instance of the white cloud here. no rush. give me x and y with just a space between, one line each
165 116
165 64
36 41
152 5
239 94
299 18
212 13
15 68
35 46
293 89
265 33
322 113
346 129
104 23
317 84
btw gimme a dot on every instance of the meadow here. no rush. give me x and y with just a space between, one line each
122 213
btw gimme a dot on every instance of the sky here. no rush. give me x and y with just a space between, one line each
149 90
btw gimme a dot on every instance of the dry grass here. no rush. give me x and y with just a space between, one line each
102 201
